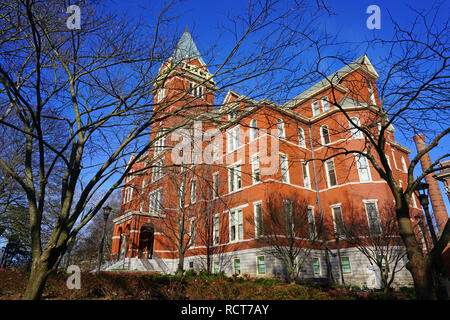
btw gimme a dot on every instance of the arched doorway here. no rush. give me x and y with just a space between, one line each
146 239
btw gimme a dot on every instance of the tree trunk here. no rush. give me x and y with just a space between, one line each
419 266
180 268
36 282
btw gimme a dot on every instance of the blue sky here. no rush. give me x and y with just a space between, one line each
205 18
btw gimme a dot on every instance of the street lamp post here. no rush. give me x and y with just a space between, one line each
106 212
340 262
423 198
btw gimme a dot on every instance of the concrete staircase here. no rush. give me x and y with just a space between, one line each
135 264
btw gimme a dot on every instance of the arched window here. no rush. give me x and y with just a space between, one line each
325 134
355 133
280 126
253 130
301 137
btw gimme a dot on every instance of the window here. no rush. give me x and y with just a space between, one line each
216 267
325 104
237 266
325 134
315 108
216 229
345 263
379 127
158 171
234 178
193 197
216 149
301 137
316 266
160 142
161 94
413 201
284 168
128 196
393 158
191 265
389 163
195 90
215 185
369 87
372 217
236 226
289 218
191 231
311 223
261 265
338 221
155 201
233 139
363 167
331 173
253 130
355 133
256 177
404 167
280 127
258 220
305 169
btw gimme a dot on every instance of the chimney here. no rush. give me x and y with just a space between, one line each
437 202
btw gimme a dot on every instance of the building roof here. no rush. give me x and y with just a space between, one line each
186 49
333 79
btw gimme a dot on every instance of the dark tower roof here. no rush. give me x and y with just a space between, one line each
186 49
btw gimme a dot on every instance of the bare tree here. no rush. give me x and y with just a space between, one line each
286 230
379 241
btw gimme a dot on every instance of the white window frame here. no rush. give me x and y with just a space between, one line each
371 92
216 233
233 138
358 158
320 266
257 265
160 142
256 171
313 231
234 266
355 133
328 173
322 135
284 166
193 191
301 137
349 264
335 228
161 94
253 130
215 185
238 223
237 177
325 103
155 201
281 129
404 167
315 111
158 170
375 202
306 179
259 225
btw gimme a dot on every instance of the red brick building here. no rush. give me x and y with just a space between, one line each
260 149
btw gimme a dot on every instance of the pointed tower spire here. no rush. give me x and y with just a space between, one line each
186 49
